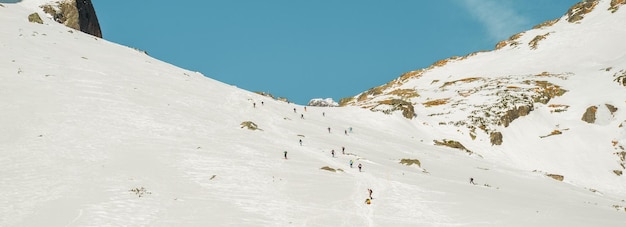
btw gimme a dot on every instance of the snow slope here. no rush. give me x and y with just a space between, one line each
582 58
96 134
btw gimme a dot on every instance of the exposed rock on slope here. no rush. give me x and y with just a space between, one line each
578 11
76 14
486 91
590 114
615 4
35 18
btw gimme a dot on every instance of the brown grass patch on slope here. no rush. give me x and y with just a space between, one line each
441 62
535 42
464 80
346 101
554 132
556 177
546 24
409 162
512 41
556 108
250 125
412 74
265 94
544 74
452 144
374 91
328 168
436 102
405 93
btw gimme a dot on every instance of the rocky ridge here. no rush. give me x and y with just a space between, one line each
76 14
435 93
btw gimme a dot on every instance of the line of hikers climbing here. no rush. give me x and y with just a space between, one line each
343 149
332 152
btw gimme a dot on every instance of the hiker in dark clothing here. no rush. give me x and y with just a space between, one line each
343 150
360 167
472 180
300 142
285 154
370 192
333 153
328 129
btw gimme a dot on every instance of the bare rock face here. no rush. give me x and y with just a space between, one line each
76 14
34 18
578 11
590 115
87 19
496 138
515 113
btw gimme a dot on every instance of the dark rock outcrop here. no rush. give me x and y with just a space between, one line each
408 111
87 19
76 14
578 11
34 18
496 138
515 113
611 108
590 115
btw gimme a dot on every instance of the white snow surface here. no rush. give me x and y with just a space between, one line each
97 134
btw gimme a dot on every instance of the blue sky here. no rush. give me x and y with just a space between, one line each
316 49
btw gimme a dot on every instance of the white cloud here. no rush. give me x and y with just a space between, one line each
499 17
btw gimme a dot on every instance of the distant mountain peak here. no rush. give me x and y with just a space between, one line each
327 102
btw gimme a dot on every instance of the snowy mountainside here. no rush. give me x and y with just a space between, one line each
327 102
523 102
93 133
